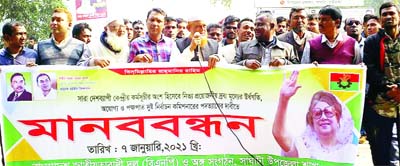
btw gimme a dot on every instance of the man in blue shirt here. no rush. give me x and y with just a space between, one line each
14 53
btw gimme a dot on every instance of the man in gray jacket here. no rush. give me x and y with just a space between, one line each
266 49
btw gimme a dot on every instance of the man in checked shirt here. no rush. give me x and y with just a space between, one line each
153 46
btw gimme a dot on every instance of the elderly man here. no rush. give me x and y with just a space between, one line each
197 47
331 47
112 47
154 46
61 48
298 35
266 49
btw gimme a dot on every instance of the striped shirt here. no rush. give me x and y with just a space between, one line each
160 51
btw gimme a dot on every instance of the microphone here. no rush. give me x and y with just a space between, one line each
197 41
197 38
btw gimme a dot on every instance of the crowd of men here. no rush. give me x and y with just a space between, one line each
301 38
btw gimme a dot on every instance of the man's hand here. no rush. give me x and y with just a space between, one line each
212 61
394 92
315 63
252 64
196 40
101 62
31 64
277 62
145 58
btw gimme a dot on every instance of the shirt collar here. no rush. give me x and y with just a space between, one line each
338 38
147 38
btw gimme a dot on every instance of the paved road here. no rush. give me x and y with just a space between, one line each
364 155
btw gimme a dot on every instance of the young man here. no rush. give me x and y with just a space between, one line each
82 32
43 81
382 56
14 53
61 48
154 46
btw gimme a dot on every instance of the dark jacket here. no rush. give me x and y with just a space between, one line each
25 96
374 56
288 37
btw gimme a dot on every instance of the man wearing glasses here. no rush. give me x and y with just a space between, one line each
353 28
331 47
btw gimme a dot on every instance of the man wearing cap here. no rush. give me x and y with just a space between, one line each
112 47
197 47
61 48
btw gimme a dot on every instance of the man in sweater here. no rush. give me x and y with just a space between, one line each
331 47
61 48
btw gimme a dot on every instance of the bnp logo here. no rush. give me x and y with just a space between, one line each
344 81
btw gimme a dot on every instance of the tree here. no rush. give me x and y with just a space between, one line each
34 14
226 3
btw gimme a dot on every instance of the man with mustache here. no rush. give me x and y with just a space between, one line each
112 47
20 93
197 47
332 47
230 42
298 35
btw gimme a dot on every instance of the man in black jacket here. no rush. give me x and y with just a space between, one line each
382 57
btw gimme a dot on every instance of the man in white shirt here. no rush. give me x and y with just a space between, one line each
43 81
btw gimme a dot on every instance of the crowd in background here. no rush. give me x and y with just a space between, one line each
267 40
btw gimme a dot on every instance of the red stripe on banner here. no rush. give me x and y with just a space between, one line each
351 77
163 70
